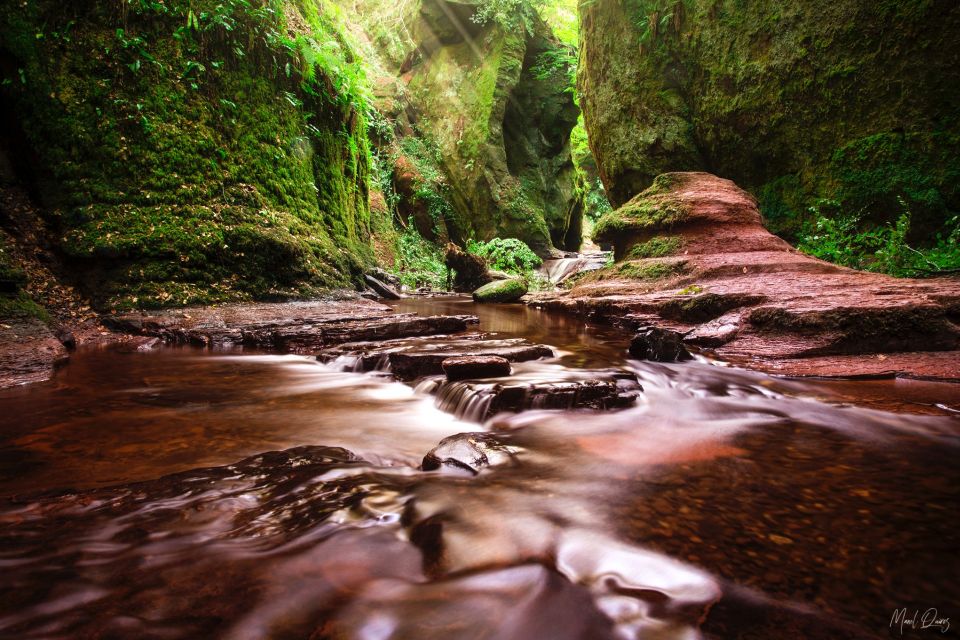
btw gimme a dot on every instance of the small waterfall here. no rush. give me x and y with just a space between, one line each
556 271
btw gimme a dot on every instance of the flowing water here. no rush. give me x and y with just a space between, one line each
190 494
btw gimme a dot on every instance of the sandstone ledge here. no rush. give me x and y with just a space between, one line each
742 295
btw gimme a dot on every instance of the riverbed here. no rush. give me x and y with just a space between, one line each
185 493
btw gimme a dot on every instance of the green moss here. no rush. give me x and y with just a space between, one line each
501 291
21 305
656 248
197 163
649 212
795 102
693 289
651 270
638 270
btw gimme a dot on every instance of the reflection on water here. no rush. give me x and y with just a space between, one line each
723 504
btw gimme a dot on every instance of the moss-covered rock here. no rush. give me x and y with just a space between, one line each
192 151
501 291
651 215
856 102
499 122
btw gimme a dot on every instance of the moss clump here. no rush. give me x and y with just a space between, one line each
656 248
195 160
656 209
501 291
692 290
639 270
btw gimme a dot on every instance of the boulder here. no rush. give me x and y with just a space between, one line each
501 291
659 345
469 452
291 327
722 87
697 260
473 367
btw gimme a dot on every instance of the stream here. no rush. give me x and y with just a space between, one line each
183 493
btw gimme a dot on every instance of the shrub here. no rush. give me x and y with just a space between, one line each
419 262
843 240
506 254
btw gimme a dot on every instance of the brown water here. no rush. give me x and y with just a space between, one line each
724 504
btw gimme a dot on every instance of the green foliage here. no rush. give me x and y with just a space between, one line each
506 254
509 14
655 18
843 239
203 151
430 186
559 63
658 247
419 263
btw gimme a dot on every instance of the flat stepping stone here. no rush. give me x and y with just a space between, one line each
473 367
412 359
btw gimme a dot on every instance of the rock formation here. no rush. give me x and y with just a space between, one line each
853 102
477 102
696 259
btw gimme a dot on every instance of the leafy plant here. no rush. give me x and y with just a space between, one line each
841 239
509 14
506 254
419 263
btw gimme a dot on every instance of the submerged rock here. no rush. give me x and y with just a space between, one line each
659 345
501 291
468 452
546 387
466 367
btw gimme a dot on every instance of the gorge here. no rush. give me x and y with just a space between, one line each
478 318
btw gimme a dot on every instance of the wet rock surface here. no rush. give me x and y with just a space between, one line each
746 296
29 351
294 327
469 452
659 345
470 271
535 385
467 367
411 359
381 288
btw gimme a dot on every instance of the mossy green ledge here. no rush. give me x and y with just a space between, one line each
646 222
190 152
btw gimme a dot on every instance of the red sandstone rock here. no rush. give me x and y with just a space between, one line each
762 304
473 367
295 327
